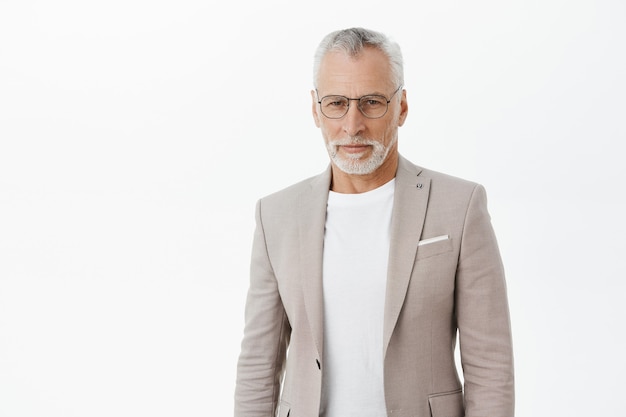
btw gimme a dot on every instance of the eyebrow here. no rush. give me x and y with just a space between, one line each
364 95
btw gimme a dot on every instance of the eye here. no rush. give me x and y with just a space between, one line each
373 101
334 101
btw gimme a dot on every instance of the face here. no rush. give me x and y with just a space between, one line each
356 144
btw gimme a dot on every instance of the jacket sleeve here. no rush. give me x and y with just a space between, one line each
482 314
266 336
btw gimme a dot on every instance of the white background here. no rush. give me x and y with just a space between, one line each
136 136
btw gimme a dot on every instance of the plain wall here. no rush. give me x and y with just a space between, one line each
136 137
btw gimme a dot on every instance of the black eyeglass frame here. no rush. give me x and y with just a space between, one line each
319 101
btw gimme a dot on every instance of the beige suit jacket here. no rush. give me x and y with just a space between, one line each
433 289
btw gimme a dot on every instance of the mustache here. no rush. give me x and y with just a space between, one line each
353 140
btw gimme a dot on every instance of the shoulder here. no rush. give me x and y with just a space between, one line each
449 183
288 197
446 193
439 182
294 190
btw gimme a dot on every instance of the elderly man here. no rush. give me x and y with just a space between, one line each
362 276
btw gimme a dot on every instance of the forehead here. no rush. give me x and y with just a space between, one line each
367 73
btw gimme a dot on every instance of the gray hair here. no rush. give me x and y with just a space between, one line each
353 41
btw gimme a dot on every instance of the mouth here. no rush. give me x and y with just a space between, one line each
354 148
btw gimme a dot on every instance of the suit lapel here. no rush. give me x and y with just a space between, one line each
409 212
311 222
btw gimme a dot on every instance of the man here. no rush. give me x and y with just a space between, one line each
361 276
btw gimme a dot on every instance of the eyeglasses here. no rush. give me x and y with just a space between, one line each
372 106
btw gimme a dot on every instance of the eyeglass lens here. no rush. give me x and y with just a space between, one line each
335 107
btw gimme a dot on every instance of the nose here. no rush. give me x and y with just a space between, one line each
353 121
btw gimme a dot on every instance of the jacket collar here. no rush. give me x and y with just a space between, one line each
407 220
409 211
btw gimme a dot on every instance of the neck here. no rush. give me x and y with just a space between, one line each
355 184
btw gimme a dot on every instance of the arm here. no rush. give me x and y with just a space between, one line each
266 336
483 317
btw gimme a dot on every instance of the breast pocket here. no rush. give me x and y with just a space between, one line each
434 246
447 404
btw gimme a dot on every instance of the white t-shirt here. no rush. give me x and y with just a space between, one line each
356 251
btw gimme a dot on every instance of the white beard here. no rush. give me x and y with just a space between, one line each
351 163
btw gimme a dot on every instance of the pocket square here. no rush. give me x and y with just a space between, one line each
432 240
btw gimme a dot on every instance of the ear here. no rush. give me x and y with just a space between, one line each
404 109
315 108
